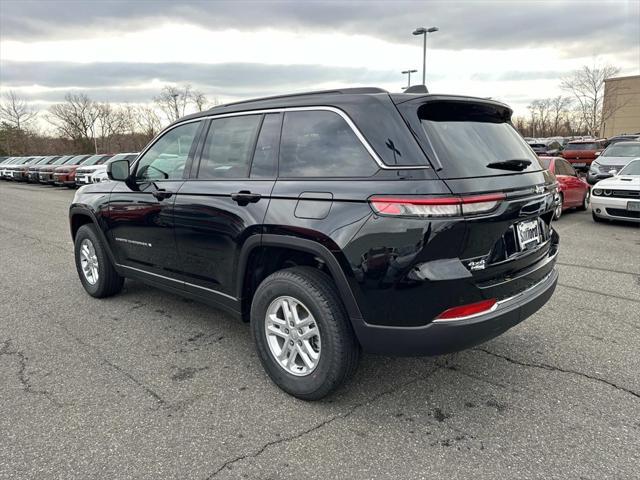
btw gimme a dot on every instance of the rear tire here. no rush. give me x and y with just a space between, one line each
557 213
314 297
97 274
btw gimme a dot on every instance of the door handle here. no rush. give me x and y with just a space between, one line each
161 194
244 197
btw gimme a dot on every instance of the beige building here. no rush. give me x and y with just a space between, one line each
621 106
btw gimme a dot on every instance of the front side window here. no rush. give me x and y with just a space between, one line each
229 146
166 158
321 144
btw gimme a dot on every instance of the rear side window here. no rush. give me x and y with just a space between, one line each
228 148
321 144
468 137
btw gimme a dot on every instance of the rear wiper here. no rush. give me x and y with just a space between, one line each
516 165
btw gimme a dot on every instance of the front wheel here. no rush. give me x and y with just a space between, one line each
98 276
303 336
596 218
585 201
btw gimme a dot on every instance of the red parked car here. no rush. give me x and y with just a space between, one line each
574 191
581 153
66 174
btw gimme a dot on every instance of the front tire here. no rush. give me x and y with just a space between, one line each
596 218
302 333
585 201
97 274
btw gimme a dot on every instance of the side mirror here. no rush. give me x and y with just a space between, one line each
118 170
613 172
598 154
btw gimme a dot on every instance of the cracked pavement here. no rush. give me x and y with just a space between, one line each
149 385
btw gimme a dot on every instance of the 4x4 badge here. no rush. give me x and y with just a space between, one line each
477 265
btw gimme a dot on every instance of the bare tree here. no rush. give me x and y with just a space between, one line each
76 119
559 107
199 100
147 122
173 101
540 112
15 111
587 87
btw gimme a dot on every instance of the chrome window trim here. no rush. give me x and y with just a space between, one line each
335 110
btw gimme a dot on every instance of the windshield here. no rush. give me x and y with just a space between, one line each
467 137
95 160
76 160
61 160
581 146
623 149
632 168
545 162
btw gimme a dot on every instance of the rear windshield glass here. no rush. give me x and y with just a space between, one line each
468 137
622 150
581 146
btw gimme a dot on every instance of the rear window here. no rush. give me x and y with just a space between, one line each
545 162
467 137
581 146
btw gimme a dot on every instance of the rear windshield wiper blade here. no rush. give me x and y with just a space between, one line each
516 165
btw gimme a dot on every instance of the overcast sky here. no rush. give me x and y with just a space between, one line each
125 51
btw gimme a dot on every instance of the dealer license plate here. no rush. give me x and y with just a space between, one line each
528 234
633 206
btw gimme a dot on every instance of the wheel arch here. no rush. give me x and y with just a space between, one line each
256 246
79 216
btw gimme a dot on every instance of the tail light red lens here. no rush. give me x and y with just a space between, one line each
435 206
456 313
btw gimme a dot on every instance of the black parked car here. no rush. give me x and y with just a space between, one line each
546 148
336 221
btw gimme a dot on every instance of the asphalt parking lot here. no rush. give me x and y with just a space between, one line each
149 385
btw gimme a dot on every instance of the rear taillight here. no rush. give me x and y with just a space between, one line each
469 310
435 206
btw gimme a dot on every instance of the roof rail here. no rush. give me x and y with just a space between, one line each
353 91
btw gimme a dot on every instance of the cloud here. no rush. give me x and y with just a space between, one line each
124 82
599 26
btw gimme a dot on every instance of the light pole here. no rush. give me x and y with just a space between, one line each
409 72
424 31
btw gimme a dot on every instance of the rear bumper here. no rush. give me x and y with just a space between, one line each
440 337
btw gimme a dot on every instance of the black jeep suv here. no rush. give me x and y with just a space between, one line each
333 222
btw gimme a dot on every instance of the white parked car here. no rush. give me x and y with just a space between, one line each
98 173
618 197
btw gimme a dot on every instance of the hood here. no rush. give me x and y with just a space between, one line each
626 182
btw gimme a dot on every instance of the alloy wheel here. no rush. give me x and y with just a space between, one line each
293 336
89 261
